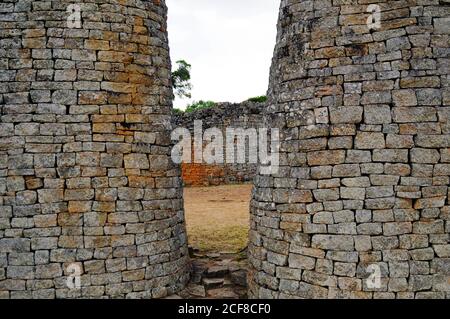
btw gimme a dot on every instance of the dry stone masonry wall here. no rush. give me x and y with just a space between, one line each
86 179
247 116
363 188
359 209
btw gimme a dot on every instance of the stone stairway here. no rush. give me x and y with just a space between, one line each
216 276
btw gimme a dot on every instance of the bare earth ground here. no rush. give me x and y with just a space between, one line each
217 217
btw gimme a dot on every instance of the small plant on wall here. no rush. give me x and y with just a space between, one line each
258 99
200 105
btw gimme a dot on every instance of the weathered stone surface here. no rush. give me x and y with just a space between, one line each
392 229
333 242
391 156
414 115
85 173
367 140
404 98
14 245
83 112
301 262
326 158
385 199
346 115
374 114
427 156
441 25
442 251
139 161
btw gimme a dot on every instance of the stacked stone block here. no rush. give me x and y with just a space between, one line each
246 115
85 172
365 141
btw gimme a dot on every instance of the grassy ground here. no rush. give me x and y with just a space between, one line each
218 217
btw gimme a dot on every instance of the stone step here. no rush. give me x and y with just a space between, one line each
210 283
217 271
196 290
223 293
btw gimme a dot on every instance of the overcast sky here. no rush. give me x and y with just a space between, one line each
229 44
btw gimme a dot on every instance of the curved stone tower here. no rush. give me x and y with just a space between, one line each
360 206
86 181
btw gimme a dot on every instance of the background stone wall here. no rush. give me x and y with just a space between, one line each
86 178
365 153
246 115
85 172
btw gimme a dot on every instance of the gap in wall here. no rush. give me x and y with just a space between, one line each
217 219
217 203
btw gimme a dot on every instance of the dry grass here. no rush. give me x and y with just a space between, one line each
218 217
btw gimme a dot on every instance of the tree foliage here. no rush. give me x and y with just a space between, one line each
258 99
181 79
200 105
177 111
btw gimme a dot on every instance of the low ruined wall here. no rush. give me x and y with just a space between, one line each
246 115
87 182
360 207
87 186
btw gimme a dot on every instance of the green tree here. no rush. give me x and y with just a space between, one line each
181 80
258 99
199 106
177 111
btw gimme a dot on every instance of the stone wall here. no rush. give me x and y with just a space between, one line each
85 173
364 180
246 115
86 179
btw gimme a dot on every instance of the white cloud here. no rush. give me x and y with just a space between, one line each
229 44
